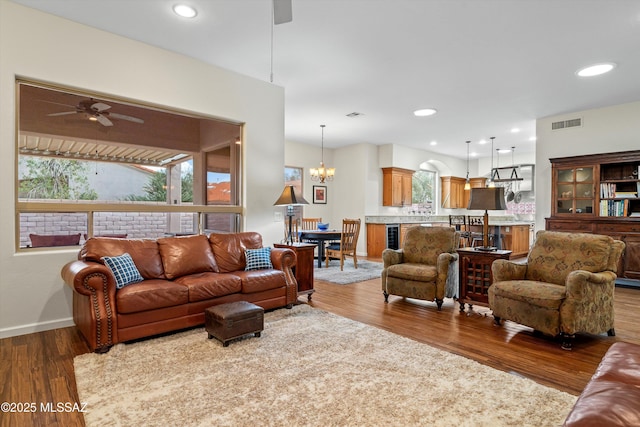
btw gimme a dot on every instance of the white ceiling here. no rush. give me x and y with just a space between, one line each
487 66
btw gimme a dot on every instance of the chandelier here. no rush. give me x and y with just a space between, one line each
322 173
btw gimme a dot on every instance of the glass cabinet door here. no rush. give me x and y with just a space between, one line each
574 190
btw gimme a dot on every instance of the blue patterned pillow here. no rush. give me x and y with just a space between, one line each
123 269
258 259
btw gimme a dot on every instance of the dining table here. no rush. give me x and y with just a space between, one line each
321 236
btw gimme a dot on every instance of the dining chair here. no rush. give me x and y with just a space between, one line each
295 235
459 222
475 224
347 245
310 224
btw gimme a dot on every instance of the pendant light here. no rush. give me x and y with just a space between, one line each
467 184
491 184
322 173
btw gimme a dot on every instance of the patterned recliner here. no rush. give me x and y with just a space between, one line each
566 286
420 269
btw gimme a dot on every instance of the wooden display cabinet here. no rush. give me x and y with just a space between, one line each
598 193
397 187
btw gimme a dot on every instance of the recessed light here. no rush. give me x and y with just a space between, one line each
533 138
424 112
515 130
433 143
482 141
596 70
185 11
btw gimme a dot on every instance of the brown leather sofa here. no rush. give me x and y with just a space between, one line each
182 277
612 396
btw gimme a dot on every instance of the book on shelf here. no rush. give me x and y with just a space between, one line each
625 194
614 207
634 215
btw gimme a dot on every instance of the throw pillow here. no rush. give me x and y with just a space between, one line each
258 259
123 269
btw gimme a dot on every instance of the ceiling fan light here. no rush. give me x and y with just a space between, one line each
185 11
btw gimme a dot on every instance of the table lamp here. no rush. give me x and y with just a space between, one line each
289 198
487 199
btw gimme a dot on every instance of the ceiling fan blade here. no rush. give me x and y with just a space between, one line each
103 120
123 117
57 103
282 12
64 113
100 106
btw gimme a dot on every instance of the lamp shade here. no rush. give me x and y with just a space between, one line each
487 198
289 197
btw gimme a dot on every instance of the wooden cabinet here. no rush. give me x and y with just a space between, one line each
598 193
475 275
376 239
303 269
397 187
452 192
515 238
454 196
380 237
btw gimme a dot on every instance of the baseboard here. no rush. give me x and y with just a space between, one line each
627 283
36 327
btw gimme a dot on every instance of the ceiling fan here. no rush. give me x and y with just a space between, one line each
96 111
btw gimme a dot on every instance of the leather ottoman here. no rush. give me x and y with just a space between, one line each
233 320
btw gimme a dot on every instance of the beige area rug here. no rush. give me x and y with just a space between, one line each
309 368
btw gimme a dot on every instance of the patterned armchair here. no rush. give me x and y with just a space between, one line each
566 286
421 268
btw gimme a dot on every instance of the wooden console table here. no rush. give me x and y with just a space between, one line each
303 269
475 275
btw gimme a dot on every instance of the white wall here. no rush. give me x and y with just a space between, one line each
604 130
46 48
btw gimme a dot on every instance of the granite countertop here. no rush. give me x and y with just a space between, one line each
434 219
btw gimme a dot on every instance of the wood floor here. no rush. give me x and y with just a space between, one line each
38 368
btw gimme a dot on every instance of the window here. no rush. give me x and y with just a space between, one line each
93 165
423 191
293 176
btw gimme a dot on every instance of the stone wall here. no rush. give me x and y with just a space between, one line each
135 224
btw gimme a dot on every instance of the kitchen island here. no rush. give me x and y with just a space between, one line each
387 231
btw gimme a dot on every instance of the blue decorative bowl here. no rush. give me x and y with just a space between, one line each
323 226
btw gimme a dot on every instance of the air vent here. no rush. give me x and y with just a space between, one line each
354 114
566 124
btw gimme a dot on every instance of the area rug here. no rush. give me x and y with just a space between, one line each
366 270
309 368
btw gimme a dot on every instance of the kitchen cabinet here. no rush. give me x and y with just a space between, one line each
397 187
515 238
452 192
598 193
454 196
380 237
